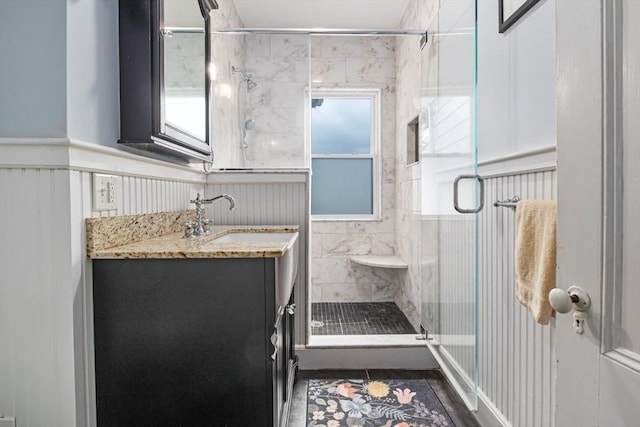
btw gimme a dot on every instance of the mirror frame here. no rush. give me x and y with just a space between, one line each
504 24
142 124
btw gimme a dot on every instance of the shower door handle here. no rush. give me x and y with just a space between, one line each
455 194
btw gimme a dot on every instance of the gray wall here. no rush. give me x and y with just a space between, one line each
32 68
93 87
59 69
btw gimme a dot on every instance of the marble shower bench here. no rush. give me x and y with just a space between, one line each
380 261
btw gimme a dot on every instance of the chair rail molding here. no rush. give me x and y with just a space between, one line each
70 154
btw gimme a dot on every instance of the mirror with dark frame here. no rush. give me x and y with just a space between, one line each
509 11
164 86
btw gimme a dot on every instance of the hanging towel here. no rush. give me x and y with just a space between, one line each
535 256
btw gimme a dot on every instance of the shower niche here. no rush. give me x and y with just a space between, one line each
164 83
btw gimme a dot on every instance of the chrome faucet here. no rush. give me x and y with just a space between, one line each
201 225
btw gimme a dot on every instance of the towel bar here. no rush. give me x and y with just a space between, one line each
507 203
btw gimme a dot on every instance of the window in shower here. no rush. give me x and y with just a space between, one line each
345 141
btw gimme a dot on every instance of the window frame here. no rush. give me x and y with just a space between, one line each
375 95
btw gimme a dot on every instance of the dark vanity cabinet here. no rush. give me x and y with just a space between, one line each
164 84
191 342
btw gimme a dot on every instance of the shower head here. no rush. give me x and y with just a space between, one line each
251 85
246 77
235 70
249 124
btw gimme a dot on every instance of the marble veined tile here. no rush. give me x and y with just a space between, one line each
257 45
383 243
328 227
346 292
332 270
272 69
362 273
383 292
344 245
371 70
328 70
290 47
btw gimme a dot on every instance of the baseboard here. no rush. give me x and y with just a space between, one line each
488 414
415 358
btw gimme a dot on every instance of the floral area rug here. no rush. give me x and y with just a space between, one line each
374 403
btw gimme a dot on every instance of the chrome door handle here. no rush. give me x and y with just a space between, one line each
274 342
455 194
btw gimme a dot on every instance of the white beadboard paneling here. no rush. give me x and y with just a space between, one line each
269 203
46 329
516 369
515 355
36 299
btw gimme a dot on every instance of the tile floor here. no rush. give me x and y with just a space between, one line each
358 318
457 410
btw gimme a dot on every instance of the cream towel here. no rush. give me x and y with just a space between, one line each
535 256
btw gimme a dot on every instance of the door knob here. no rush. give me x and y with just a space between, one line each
574 298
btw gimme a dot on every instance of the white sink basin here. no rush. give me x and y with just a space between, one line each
249 237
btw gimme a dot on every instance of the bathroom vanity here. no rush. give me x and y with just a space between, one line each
196 332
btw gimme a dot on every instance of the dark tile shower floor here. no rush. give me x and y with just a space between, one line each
358 318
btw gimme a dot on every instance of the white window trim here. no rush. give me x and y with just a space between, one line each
375 94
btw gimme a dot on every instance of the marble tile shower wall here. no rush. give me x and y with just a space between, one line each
279 64
418 15
357 62
226 51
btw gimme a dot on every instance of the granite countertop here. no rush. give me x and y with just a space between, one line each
140 237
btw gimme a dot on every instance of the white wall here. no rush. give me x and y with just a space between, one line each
516 81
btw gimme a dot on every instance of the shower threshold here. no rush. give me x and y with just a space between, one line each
365 341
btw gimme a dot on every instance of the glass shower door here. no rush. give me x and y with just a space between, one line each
451 194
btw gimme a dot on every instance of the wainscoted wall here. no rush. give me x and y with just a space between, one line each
268 198
516 368
357 62
46 362
516 355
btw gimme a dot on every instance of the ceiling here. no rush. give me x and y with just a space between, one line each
344 14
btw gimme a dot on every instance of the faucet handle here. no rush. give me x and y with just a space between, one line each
206 225
189 229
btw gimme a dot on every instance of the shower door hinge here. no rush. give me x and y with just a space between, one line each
424 334
423 40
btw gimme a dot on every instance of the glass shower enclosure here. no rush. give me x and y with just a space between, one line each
451 194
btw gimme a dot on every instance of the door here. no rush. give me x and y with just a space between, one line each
451 194
598 372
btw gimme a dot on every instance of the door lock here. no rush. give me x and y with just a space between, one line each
575 298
